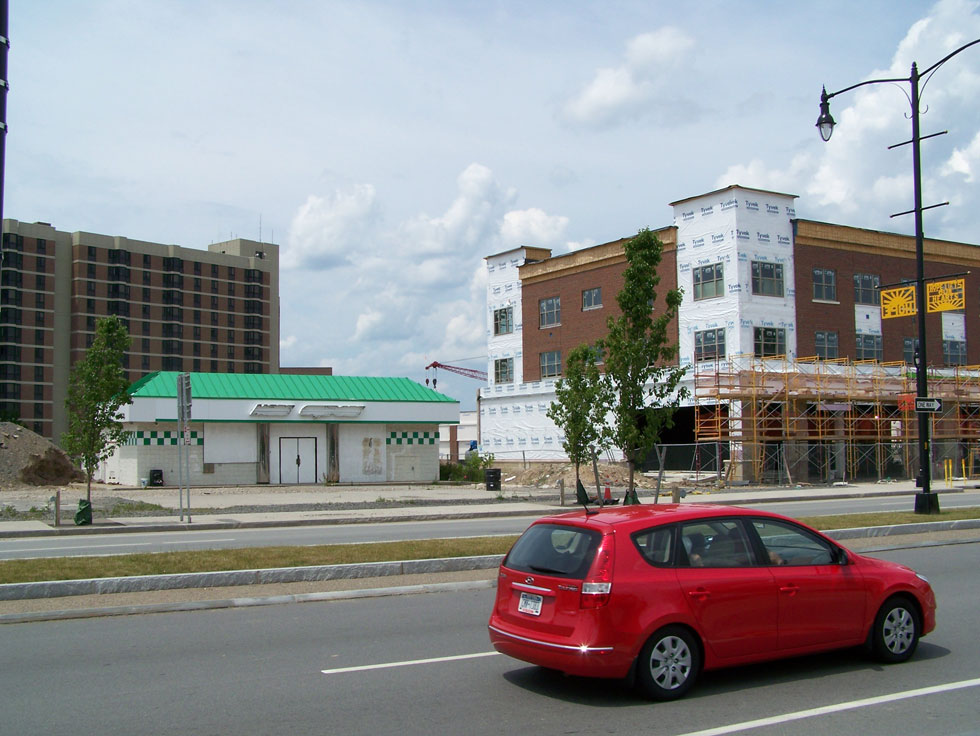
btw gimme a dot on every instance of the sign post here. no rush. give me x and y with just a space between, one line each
184 440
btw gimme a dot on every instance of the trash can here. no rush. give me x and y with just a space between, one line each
84 513
492 478
156 477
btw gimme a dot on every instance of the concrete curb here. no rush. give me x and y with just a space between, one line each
143 583
922 527
38 616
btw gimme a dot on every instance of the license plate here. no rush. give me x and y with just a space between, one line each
530 604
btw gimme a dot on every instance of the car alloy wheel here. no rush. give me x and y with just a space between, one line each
896 631
669 663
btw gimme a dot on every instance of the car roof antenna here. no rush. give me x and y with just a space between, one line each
583 498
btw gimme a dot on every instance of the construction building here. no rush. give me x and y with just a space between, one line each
794 372
214 310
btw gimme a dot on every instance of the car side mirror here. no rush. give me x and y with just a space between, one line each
842 557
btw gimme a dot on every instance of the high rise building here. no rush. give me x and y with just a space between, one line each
212 311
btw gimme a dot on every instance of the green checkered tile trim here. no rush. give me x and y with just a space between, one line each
412 438
157 437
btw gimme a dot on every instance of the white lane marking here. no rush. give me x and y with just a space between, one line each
387 665
824 710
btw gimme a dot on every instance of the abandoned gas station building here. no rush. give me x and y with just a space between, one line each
285 429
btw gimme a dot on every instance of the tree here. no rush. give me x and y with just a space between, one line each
97 387
582 401
639 357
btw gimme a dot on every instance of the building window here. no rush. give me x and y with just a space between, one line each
709 345
824 285
866 289
769 341
868 348
592 298
551 364
767 278
910 345
503 370
826 343
549 311
709 281
954 352
503 321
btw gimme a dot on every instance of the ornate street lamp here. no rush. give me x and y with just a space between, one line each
926 502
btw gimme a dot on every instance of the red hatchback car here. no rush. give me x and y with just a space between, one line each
660 593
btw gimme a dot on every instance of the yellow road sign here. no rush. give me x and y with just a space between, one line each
942 296
898 302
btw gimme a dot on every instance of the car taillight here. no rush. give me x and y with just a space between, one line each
597 585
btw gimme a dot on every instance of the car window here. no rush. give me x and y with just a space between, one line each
714 543
554 549
656 545
788 544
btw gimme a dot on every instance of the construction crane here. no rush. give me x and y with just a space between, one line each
435 365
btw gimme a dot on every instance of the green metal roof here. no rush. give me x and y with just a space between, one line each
163 384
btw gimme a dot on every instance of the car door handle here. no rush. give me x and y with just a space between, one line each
791 589
700 594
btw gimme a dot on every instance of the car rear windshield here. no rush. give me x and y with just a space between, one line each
554 549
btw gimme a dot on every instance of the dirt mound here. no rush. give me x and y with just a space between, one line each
30 459
546 475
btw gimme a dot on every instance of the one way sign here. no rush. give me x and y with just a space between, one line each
928 405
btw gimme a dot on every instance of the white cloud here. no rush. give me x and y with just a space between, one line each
327 231
415 288
633 88
532 227
964 161
854 178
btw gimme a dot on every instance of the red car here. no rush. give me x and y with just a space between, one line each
661 592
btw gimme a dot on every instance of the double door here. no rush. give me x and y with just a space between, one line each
297 460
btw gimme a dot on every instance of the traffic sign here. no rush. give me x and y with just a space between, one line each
928 405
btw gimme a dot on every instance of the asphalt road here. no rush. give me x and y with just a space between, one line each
422 664
161 541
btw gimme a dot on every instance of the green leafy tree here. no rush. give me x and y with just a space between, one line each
97 388
639 357
583 398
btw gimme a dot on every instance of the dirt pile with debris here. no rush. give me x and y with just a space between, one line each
546 475
28 459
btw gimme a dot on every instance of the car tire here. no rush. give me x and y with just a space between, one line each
668 664
895 632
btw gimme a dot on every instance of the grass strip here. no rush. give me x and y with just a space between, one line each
251 558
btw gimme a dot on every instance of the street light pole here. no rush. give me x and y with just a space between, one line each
926 502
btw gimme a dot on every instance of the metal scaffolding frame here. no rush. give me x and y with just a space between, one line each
808 420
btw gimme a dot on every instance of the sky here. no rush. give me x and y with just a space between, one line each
388 147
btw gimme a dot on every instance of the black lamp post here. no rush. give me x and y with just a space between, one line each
926 502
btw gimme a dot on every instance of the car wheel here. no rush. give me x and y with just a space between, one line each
669 663
895 634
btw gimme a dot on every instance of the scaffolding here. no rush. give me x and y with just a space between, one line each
808 420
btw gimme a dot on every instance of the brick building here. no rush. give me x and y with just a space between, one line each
792 371
214 310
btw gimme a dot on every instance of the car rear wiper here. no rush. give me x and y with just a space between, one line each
538 568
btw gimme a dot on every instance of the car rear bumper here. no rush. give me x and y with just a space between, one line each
585 660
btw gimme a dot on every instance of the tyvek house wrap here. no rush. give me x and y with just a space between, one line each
734 228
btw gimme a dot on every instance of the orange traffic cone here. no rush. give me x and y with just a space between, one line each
607 496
